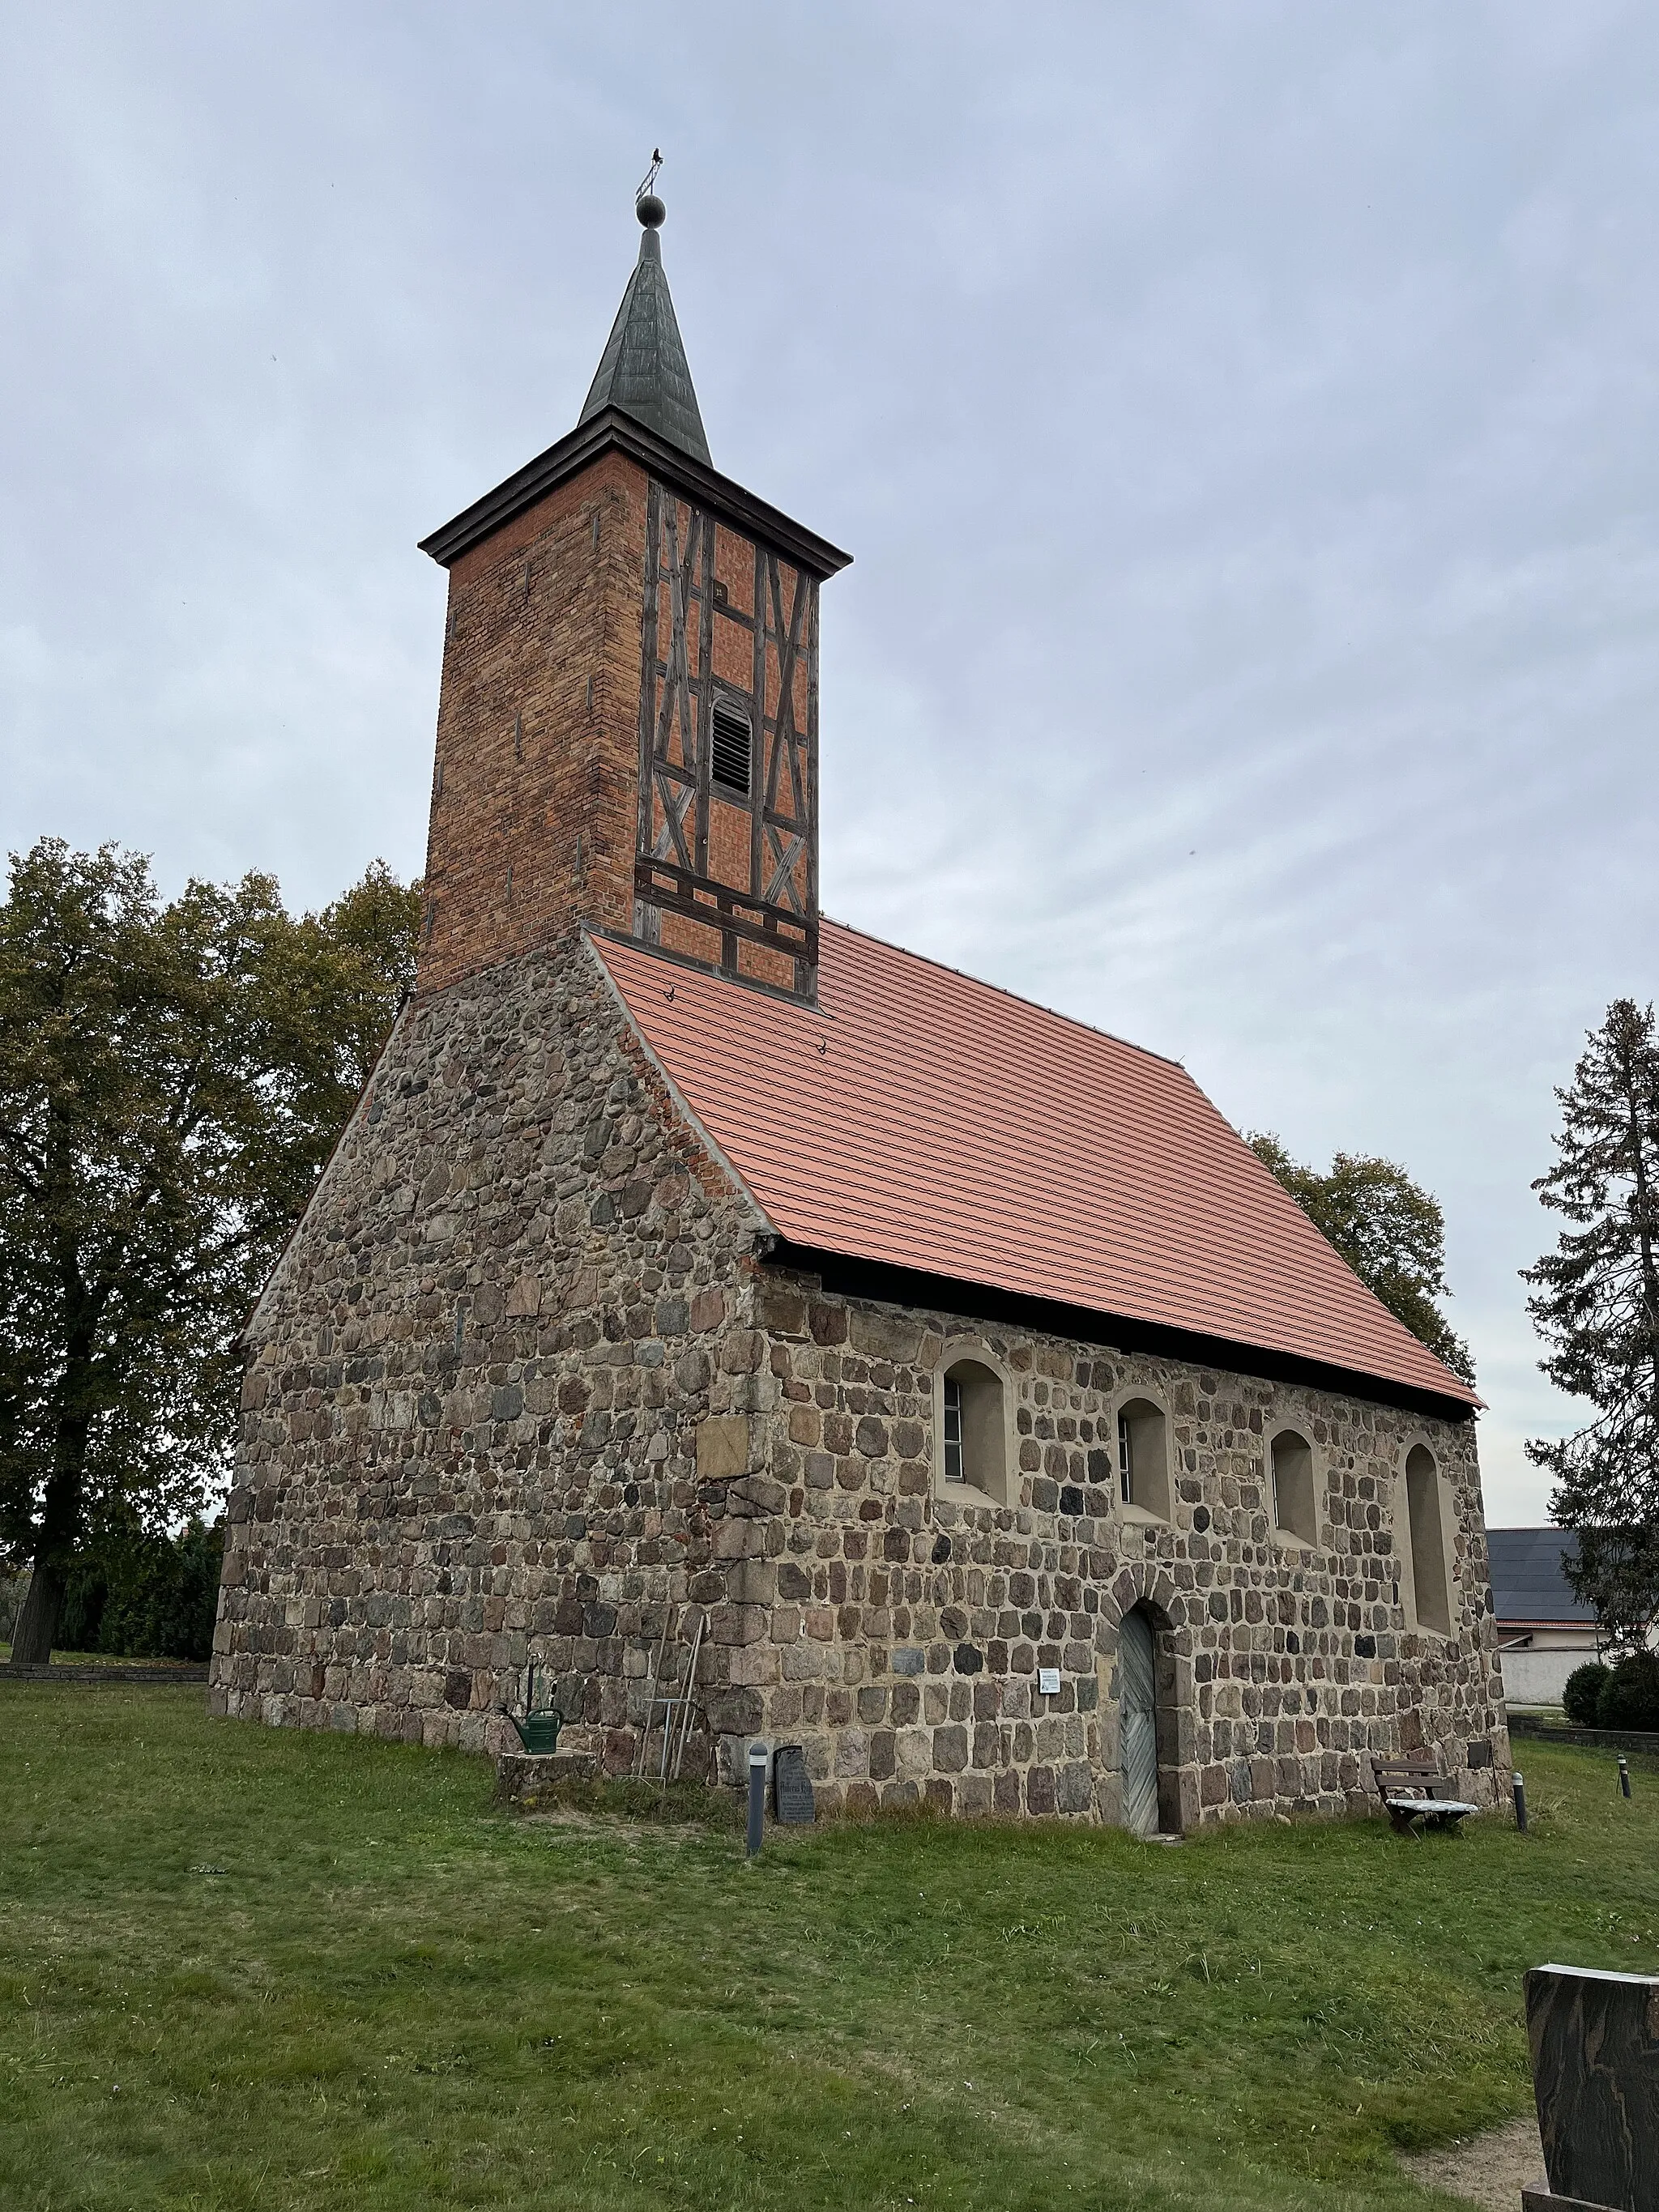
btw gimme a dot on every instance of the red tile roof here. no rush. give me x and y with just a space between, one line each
925 1121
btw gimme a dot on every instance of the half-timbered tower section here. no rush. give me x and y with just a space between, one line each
628 725
704 1288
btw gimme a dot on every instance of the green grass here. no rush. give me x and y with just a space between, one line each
326 1972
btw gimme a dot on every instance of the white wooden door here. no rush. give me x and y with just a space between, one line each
1137 1724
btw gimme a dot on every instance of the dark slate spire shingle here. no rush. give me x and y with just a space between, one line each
643 370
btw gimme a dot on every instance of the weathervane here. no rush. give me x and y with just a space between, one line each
648 180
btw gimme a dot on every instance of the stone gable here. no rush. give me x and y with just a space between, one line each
525 1379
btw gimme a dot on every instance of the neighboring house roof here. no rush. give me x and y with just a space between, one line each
926 1121
643 369
1529 1587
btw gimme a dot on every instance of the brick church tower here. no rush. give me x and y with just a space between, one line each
628 726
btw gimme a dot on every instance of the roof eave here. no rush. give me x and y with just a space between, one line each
614 430
1087 1324
1508 1620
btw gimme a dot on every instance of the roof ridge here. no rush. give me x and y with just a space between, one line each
1019 999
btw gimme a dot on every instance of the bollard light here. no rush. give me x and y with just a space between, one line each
758 1758
1624 1776
1520 1802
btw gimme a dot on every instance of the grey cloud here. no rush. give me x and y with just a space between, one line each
1243 419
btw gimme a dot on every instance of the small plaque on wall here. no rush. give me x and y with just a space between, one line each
792 1788
1048 1681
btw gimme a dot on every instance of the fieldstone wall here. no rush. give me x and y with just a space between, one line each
898 1635
477 1382
525 1384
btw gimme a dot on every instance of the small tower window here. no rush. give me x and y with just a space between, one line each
731 748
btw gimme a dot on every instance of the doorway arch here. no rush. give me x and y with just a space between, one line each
1146 1722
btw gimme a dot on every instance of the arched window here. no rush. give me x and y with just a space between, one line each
1143 1457
972 1429
1296 1510
1428 1542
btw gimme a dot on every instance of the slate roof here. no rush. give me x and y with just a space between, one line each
643 369
1528 1586
923 1120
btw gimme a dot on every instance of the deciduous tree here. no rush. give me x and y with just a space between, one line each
172 1077
1388 1228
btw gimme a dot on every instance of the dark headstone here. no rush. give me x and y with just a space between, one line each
1481 1752
1594 2040
792 1788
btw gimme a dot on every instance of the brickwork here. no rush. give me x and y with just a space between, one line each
535 821
537 771
523 1380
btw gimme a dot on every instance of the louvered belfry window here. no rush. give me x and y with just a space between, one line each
731 736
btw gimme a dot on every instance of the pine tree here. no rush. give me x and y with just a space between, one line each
1595 1302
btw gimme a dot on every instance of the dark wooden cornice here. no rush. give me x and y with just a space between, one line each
614 430
904 1287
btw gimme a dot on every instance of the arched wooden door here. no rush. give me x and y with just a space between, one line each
1137 1724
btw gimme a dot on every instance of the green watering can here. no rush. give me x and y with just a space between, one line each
538 1732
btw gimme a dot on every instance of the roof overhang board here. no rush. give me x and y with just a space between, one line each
614 431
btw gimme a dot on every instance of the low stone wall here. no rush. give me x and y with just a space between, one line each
1616 1739
167 1677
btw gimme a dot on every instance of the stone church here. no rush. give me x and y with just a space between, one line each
703 1288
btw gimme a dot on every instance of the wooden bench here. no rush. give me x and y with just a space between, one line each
1408 1787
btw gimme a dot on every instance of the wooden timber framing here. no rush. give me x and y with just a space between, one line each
681 866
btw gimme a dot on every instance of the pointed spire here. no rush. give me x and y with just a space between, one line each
643 370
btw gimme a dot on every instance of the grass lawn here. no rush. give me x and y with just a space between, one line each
326 1972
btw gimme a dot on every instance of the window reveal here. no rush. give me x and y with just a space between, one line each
1143 1457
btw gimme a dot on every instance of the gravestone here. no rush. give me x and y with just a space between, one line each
792 1788
1594 2040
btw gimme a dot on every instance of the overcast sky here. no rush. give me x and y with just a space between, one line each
1244 417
